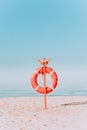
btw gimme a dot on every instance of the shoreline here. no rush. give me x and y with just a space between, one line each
27 113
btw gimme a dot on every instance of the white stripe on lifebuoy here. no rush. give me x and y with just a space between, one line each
37 87
51 72
51 87
36 72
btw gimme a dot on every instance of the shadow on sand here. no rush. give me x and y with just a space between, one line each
74 103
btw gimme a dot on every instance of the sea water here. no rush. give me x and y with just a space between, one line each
28 91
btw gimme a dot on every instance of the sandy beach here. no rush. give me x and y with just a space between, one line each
27 113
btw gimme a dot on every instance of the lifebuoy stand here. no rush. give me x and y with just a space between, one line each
45 105
44 62
43 70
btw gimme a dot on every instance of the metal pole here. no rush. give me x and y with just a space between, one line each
45 105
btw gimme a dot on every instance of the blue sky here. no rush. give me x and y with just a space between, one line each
33 29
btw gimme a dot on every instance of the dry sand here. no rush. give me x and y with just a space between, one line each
27 113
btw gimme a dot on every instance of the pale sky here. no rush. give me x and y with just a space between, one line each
33 29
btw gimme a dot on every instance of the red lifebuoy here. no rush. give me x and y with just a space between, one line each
39 71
